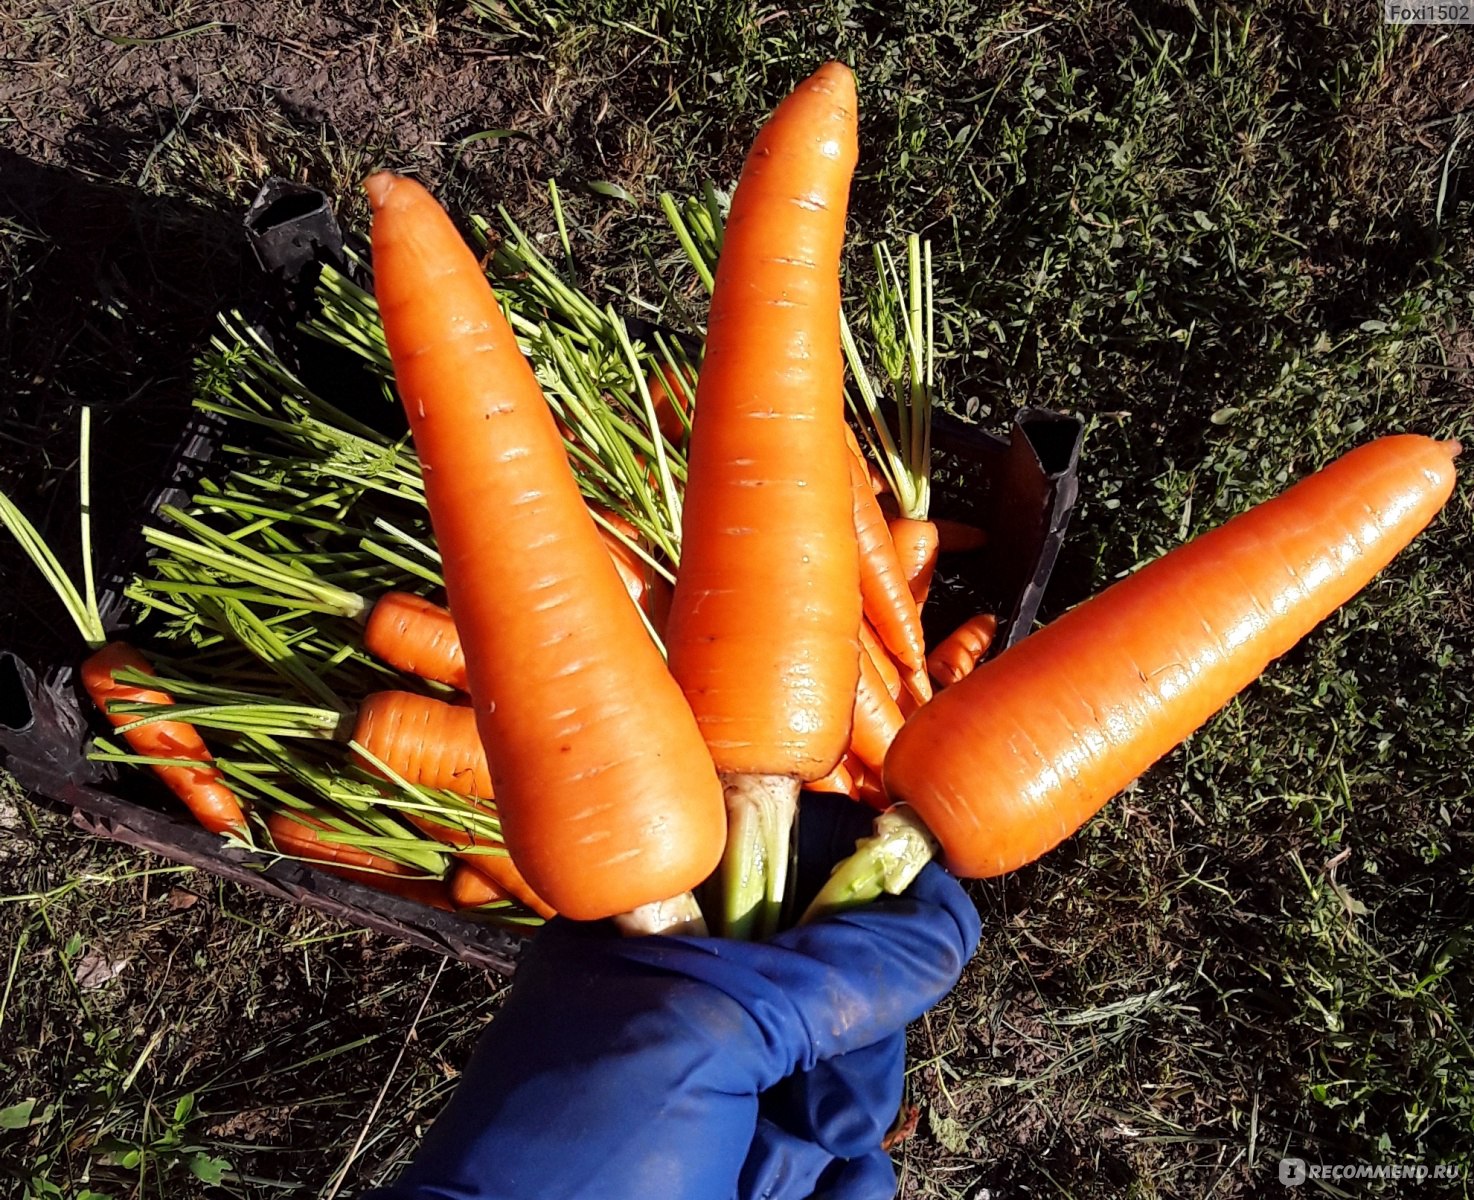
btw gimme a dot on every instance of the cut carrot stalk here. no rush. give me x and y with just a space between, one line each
960 651
607 795
1102 693
763 626
957 537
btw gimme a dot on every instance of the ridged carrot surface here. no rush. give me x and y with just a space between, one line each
880 660
916 547
884 590
1015 758
417 636
607 795
957 654
764 620
426 741
202 789
877 717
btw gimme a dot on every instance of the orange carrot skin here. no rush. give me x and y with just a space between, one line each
296 834
416 636
839 782
880 660
955 656
916 546
671 396
471 889
956 537
1008 763
497 868
424 740
884 589
607 795
202 789
764 620
877 717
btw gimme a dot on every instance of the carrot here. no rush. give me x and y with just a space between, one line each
498 869
877 718
202 789
299 835
880 660
607 795
1014 759
916 690
417 636
889 606
763 626
958 653
671 389
424 740
839 781
916 547
956 537
472 889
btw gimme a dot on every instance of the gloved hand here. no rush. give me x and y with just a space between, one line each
681 1068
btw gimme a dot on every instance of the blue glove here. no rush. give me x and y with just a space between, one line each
684 1068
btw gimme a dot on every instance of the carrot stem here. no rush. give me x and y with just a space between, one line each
886 860
754 871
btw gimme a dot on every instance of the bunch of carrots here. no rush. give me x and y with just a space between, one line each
682 583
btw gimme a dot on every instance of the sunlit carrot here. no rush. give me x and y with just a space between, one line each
763 633
606 792
838 782
302 835
889 605
959 652
916 547
1009 762
426 741
881 660
877 718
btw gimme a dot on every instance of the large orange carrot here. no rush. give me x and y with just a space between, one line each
763 633
299 835
888 603
607 795
202 789
1008 763
958 653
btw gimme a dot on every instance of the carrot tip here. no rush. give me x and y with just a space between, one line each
378 186
1454 447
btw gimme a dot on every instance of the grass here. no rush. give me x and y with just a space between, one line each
1236 239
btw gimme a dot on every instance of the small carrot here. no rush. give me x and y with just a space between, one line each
300 835
839 782
416 636
202 789
877 718
671 391
606 792
957 537
960 651
472 889
881 661
425 741
499 869
916 547
889 606
916 690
